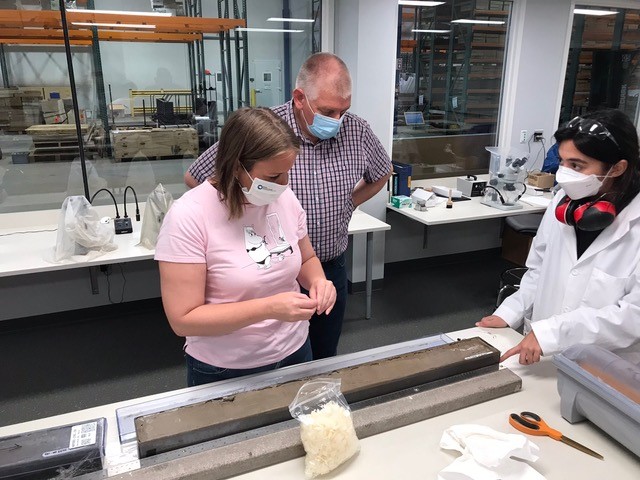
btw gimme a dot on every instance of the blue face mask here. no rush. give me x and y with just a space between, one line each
323 127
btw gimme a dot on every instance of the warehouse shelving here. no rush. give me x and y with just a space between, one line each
459 75
603 64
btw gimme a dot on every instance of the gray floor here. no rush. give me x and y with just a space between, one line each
59 363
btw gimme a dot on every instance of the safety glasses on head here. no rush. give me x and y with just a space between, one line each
593 128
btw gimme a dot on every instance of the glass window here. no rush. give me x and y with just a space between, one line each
448 84
602 68
153 90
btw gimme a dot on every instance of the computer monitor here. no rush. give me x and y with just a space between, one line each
413 118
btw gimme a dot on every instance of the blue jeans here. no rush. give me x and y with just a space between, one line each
199 373
324 330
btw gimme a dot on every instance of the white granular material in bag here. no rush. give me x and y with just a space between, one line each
328 437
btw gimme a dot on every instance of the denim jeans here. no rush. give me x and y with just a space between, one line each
324 330
199 373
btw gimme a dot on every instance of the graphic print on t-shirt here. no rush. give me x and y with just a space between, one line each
256 245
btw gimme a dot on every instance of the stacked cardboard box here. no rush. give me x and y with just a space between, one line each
19 109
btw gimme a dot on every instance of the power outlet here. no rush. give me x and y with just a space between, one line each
523 136
538 135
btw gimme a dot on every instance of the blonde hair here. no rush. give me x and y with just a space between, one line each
320 68
250 135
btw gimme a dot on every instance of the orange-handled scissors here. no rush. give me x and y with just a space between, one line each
532 424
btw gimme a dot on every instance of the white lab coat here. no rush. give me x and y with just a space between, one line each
594 299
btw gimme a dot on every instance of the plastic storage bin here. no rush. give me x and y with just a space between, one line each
598 385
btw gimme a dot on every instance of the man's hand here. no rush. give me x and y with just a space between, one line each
492 321
325 294
529 350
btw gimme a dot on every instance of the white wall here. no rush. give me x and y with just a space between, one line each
536 66
365 34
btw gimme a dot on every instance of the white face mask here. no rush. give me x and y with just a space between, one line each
262 192
578 185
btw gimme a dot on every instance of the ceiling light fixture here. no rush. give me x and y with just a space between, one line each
114 25
119 12
281 30
430 31
290 20
419 4
598 13
479 22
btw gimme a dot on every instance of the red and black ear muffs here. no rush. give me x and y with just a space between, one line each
588 216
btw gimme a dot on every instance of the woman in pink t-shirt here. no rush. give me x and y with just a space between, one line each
233 253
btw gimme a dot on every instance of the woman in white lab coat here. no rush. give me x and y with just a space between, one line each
583 282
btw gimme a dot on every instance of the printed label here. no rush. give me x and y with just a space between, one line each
52 453
83 435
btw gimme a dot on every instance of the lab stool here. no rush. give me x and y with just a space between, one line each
516 249
510 282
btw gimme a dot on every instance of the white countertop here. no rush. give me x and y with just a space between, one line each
462 211
413 451
27 237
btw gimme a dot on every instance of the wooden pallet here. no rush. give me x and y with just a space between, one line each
59 143
152 143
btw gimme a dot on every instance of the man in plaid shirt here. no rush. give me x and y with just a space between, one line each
341 165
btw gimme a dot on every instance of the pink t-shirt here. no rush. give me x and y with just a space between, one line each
254 257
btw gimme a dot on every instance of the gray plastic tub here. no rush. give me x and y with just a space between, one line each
598 385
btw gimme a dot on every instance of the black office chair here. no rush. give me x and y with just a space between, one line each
510 279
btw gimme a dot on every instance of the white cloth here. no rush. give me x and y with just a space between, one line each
486 454
594 299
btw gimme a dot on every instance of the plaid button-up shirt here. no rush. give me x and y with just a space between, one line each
323 177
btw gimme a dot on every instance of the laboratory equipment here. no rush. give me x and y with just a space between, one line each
506 178
470 186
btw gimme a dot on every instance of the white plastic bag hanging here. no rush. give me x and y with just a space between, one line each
326 426
80 231
158 204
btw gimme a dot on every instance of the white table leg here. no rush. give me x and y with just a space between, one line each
369 273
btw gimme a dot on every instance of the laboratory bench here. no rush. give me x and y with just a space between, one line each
413 451
27 237
466 210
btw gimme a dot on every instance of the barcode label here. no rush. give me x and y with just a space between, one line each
83 435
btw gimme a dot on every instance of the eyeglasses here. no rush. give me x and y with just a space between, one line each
593 128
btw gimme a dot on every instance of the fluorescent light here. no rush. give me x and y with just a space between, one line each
119 12
480 22
419 4
115 25
281 30
599 13
431 31
300 20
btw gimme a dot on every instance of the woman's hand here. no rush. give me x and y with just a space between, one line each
292 306
492 321
324 293
529 350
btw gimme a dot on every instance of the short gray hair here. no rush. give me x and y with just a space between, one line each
324 67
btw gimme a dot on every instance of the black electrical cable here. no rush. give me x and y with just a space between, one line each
112 197
125 202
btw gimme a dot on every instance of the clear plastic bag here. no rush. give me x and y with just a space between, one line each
326 426
158 204
80 231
